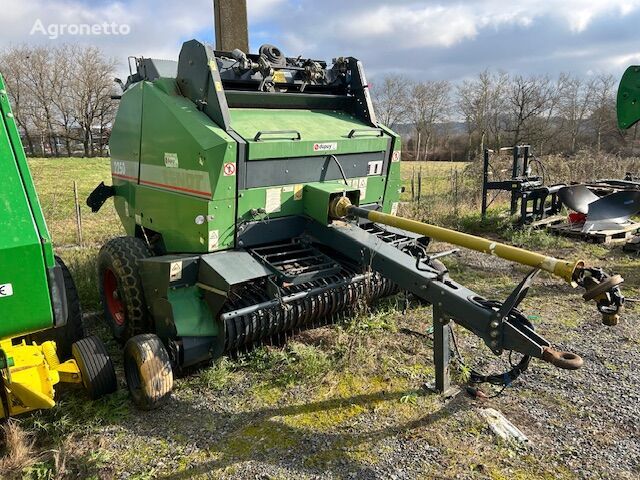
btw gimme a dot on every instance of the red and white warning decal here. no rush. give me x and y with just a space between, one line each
396 156
229 169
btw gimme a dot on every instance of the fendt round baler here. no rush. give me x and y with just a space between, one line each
258 194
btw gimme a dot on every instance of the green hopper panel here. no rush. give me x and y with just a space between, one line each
25 246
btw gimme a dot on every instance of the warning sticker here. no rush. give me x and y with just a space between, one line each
396 156
297 192
175 271
229 169
214 236
279 77
6 290
273 201
360 184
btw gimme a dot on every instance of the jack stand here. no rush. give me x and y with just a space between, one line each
442 356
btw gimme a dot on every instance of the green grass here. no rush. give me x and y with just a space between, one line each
54 179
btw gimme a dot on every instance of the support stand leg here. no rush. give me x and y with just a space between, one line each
442 355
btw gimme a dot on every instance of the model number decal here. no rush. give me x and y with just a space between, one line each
6 290
119 168
325 147
171 160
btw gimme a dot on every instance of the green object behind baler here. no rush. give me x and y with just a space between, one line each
628 104
25 245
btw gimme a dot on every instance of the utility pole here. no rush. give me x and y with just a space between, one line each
232 30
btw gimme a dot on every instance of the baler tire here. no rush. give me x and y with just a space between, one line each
96 368
117 263
148 371
64 336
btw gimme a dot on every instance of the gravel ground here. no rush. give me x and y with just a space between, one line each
371 419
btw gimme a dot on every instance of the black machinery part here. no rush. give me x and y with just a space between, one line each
252 316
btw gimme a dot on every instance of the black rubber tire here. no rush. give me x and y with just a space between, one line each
73 331
147 369
120 256
96 367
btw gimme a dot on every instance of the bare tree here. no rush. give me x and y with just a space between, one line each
391 99
60 76
483 103
91 88
603 107
429 105
576 99
529 98
14 65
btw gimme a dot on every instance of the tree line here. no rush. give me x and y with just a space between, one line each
444 121
62 103
61 97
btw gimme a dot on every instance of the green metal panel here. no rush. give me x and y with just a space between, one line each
192 315
184 186
188 224
25 246
393 187
124 146
320 130
628 106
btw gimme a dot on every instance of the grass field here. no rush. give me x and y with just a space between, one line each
346 401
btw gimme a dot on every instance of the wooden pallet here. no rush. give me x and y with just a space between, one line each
619 235
552 220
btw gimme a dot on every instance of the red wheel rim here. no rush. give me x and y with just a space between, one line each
114 304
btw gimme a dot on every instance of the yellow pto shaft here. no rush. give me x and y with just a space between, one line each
342 207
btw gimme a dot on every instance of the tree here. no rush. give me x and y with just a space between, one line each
603 107
13 66
529 98
576 99
483 104
391 100
91 87
429 105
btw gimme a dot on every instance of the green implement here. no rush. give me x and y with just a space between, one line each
628 102
40 317
227 171
28 273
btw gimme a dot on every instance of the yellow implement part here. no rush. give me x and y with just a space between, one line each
30 375
342 207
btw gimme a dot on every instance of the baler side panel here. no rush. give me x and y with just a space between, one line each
187 182
124 145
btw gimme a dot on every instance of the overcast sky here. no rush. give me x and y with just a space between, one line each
423 39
